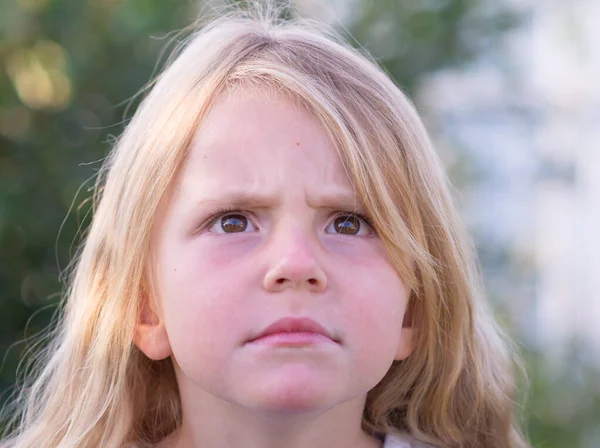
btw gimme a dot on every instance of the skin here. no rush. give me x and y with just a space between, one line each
271 160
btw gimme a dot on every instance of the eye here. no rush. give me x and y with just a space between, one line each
349 224
232 223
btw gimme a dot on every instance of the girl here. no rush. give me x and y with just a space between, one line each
274 261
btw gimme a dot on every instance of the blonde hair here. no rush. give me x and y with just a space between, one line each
95 388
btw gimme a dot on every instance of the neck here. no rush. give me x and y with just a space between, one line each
211 424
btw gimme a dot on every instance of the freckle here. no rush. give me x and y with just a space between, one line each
297 143
205 156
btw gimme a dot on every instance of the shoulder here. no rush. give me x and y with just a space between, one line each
403 440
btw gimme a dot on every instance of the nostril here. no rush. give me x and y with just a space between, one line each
312 281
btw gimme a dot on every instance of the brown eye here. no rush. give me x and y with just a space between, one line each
233 223
349 225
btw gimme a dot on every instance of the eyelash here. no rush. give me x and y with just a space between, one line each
356 215
219 213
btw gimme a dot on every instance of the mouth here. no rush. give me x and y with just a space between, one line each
291 331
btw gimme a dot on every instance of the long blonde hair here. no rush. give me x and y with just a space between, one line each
95 388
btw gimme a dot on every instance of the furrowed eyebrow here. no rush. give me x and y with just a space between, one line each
238 199
246 200
337 201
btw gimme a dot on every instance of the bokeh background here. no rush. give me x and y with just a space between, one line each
509 90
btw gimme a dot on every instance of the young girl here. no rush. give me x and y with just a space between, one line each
274 261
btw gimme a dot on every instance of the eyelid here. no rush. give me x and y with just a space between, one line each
363 217
220 213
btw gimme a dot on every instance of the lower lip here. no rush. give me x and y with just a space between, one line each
298 339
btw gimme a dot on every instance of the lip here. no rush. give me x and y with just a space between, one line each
294 326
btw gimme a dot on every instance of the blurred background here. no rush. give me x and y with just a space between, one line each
509 91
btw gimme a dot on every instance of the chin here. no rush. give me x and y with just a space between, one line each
293 396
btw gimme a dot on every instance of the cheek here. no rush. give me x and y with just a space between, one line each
195 269
204 296
378 303
375 300
373 324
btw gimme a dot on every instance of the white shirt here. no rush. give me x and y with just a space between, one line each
402 441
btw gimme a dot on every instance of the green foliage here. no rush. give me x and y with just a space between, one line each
69 67
412 38
563 408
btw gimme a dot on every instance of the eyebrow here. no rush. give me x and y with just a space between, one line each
237 199
337 200
248 200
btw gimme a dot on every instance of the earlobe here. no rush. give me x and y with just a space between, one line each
151 335
405 345
153 341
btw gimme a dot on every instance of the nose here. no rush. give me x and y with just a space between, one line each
294 265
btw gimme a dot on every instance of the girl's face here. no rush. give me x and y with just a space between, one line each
262 224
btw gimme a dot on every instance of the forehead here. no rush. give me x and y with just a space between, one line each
261 139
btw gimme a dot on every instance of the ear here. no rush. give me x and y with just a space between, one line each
406 344
150 332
